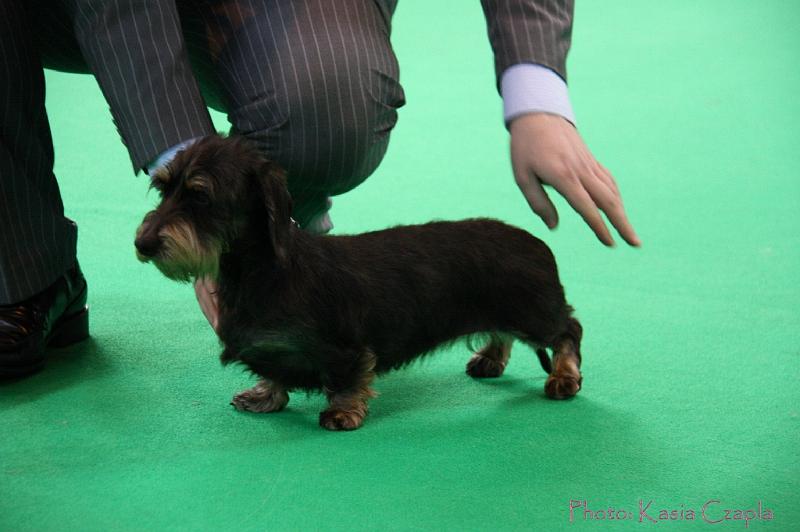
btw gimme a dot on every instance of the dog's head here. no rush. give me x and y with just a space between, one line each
214 193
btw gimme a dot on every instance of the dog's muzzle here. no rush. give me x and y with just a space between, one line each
175 249
148 242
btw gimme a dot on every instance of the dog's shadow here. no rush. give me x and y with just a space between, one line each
458 404
428 391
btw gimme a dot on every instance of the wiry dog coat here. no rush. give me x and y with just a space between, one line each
328 313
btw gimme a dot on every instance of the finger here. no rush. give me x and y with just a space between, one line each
205 291
626 229
608 179
214 321
534 193
580 200
213 302
539 201
205 306
593 165
604 191
611 204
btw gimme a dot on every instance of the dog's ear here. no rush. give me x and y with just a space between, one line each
275 197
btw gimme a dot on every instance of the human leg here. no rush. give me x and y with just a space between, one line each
314 83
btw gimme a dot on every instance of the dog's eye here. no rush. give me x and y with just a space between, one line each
200 197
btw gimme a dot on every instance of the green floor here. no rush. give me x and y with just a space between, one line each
691 357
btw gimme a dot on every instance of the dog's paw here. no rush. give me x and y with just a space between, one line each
260 398
333 419
490 361
562 385
481 367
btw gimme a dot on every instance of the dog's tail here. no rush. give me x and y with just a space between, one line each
544 360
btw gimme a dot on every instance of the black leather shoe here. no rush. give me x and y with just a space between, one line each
55 317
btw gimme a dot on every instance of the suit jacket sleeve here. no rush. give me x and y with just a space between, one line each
529 31
137 52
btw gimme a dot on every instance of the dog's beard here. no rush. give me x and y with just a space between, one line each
183 257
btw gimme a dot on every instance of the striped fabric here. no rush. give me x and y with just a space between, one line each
37 243
314 82
529 31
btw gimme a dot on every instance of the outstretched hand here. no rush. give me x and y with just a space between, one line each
547 150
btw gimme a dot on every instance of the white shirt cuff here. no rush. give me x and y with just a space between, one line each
167 155
530 88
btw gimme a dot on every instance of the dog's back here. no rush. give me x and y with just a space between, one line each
423 285
402 292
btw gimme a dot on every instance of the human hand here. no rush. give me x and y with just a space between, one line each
206 291
547 150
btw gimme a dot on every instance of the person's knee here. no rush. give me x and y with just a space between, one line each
345 123
329 128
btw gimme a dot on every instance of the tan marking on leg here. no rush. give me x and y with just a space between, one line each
566 379
266 396
347 409
490 361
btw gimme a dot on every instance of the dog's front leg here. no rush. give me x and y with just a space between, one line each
348 391
266 396
491 360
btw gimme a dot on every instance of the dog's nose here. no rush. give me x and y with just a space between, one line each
147 245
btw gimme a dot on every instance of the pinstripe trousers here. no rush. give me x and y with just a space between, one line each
37 242
315 83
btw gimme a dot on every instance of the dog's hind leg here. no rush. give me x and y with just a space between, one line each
266 396
348 393
566 379
491 360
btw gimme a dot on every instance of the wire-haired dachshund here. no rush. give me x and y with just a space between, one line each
329 313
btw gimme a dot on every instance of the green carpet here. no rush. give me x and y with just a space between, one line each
691 343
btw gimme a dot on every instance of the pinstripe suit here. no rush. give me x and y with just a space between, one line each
314 82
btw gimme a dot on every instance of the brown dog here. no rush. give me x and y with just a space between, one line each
330 312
